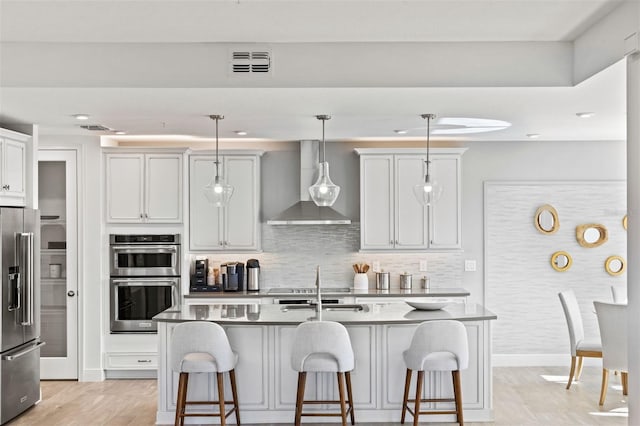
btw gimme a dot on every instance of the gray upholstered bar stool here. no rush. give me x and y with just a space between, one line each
203 347
323 346
436 346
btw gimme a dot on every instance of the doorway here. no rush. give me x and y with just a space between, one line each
58 204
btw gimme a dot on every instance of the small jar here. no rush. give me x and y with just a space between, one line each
425 283
406 281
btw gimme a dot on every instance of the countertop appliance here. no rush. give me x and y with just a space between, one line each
20 312
253 275
145 280
233 276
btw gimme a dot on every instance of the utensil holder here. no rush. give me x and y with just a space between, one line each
360 281
382 281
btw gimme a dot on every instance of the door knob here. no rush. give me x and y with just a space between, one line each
71 293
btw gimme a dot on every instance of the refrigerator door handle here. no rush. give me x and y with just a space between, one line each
24 248
14 288
23 352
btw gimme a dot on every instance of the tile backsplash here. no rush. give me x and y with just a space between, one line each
292 252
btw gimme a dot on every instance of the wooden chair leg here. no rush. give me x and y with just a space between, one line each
624 378
579 368
221 398
181 398
343 405
457 394
234 392
302 378
573 368
416 413
605 384
350 396
405 400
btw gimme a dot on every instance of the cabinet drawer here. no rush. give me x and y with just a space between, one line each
131 361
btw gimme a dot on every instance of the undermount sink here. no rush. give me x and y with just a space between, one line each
326 307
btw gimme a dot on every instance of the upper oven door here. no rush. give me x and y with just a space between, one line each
145 260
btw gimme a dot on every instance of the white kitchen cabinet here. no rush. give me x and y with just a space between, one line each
144 187
236 226
13 173
391 219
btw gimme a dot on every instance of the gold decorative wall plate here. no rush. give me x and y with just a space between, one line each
615 265
561 261
591 235
546 219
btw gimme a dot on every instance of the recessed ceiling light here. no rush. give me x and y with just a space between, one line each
81 116
533 135
240 132
586 114
401 132
119 132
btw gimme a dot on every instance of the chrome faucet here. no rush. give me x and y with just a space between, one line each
319 303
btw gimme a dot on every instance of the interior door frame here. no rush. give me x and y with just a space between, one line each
55 368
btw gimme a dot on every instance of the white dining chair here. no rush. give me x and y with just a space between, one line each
580 347
619 293
612 320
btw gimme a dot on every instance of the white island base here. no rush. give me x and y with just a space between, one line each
267 384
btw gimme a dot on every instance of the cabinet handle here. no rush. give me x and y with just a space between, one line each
220 243
397 243
391 242
146 216
144 361
141 216
8 186
5 186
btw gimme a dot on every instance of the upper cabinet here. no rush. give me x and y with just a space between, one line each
391 219
236 226
144 187
13 163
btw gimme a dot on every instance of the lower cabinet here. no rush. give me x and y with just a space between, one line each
131 361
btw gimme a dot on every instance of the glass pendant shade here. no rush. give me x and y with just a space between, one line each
324 192
427 192
218 192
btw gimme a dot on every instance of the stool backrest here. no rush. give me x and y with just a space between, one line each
612 321
574 318
442 336
327 339
201 337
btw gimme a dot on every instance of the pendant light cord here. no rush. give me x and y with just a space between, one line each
216 117
428 117
324 153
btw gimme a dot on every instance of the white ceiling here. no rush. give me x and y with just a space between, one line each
287 113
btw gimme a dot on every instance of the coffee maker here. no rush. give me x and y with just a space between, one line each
199 277
233 276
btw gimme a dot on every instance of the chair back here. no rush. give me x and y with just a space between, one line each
322 346
612 320
201 337
619 293
574 318
441 336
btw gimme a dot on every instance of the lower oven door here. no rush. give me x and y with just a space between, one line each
134 301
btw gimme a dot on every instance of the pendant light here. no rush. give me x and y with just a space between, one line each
324 192
429 191
217 191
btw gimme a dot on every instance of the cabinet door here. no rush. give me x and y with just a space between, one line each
125 176
204 217
411 222
445 214
376 202
163 188
241 219
13 169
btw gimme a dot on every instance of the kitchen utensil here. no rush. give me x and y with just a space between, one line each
406 281
365 268
382 280
360 281
427 303
356 268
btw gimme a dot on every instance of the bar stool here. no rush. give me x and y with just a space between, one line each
203 347
436 346
323 346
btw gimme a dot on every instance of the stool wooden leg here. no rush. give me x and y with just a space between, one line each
624 378
221 398
405 400
234 392
416 413
343 405
579 368
302 378
180 403
573 369
605 383
457 394
350 396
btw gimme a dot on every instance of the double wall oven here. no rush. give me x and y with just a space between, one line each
145 279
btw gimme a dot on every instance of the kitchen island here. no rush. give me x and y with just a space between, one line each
262 335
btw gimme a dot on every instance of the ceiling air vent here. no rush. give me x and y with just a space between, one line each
95 127
250 62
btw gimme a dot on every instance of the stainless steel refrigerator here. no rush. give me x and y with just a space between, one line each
20 311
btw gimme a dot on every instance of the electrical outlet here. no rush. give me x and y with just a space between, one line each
376 266
423 266
469 265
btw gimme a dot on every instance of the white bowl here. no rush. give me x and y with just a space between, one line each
427 303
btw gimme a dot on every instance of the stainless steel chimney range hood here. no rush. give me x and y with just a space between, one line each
305 211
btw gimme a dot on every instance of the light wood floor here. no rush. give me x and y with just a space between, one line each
522 396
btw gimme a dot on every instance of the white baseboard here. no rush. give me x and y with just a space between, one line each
131 374
91 375
539 360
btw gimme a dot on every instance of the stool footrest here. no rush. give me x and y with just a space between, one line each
207 402
431 412
322 402
434 400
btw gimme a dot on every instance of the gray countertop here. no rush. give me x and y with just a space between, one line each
372 292
272 314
